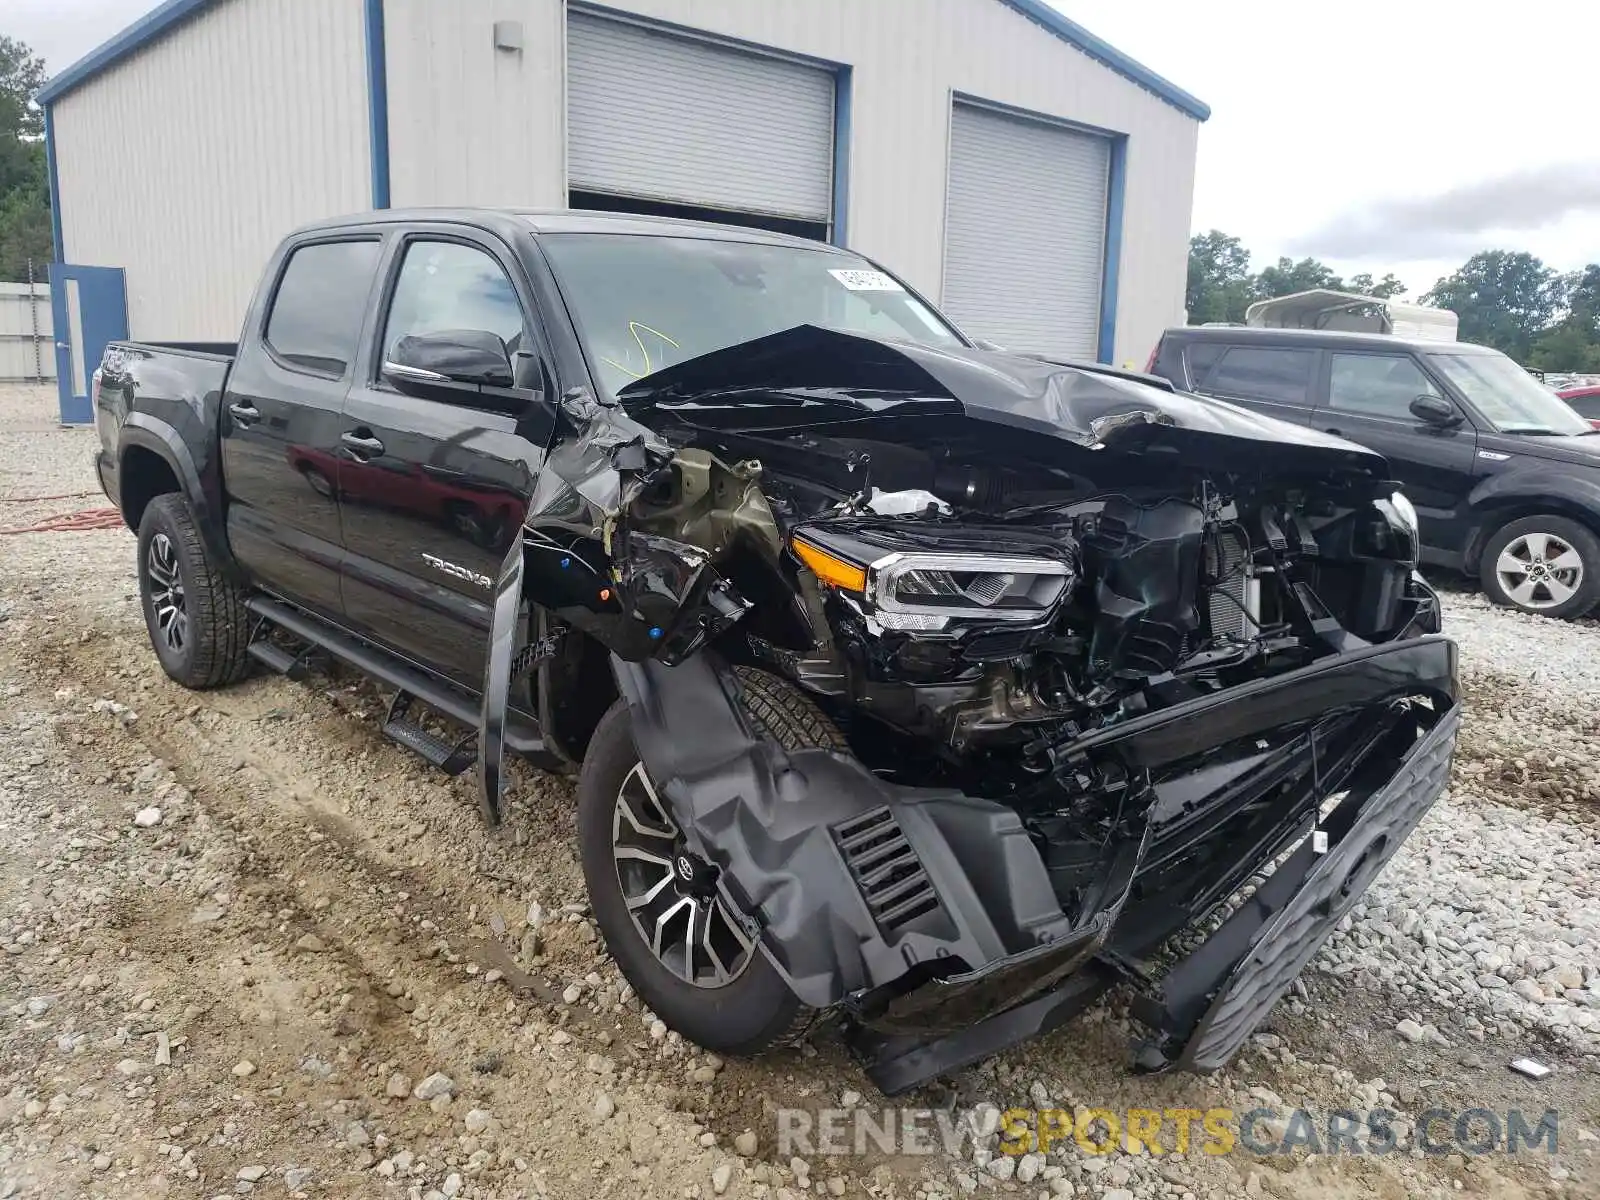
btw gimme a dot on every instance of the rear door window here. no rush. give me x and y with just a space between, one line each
1380 385
315 322
1200 358
1282 376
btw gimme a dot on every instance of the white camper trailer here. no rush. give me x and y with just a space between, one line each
1323 308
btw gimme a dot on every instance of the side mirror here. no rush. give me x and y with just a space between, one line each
1435 410
469 356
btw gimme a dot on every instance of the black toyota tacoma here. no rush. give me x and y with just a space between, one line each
922 687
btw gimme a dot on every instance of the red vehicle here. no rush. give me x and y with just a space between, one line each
1585 401
432 490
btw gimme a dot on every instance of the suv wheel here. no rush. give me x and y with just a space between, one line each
1544 564
197 619
657 905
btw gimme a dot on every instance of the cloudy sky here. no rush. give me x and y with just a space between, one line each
1376 135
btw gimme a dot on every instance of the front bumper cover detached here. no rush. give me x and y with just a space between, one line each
930 916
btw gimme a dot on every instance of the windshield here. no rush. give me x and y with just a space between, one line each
1513 400
642 303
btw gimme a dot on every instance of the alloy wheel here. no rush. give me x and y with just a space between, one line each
1539 570
166 592
671 893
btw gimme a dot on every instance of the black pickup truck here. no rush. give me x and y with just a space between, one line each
914 685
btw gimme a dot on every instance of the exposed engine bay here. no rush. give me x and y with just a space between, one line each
1100 650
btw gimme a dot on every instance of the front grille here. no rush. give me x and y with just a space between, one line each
885 868
1233 602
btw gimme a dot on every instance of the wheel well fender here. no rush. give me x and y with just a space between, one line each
152 460
1495 516
573 690
143 475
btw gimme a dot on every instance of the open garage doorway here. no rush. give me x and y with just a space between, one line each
671 125
817 230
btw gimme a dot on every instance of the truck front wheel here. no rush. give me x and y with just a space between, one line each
197 620
690 959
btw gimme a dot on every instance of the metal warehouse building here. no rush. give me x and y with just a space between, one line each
1012 166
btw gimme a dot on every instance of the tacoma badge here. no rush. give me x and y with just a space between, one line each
459 572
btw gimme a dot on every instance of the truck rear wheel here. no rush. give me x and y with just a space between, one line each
691 961
197 620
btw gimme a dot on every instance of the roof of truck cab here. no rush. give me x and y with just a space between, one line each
1241 334
569 220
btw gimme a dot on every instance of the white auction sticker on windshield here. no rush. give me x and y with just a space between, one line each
866 281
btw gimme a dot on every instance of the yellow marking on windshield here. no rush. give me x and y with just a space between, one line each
634 328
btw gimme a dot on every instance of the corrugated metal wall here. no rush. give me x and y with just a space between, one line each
27 345
472 124
186 163
469 124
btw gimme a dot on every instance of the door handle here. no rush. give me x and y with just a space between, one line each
1335 432
244 412
362 446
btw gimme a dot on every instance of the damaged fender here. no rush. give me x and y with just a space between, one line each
855 884
583 560
497 683
802 839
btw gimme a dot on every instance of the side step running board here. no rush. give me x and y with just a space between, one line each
522 736
276 658
450 757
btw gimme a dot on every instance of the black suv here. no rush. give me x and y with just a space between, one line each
1504 476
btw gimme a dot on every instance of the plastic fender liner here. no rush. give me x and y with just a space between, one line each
780 826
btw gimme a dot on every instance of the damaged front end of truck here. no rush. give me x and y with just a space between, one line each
1108 658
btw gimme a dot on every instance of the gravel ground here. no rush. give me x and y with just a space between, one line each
250 946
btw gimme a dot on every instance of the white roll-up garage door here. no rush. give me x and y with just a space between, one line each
1025 228
661 117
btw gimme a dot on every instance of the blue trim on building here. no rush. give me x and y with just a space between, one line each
1107 55
841 154
377 104
1116 183
57 234
141 33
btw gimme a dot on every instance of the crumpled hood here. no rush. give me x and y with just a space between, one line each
1073 403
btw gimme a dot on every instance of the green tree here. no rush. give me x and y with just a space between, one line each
1505 299
1287 277
1219 278
1573 342
1385 289
24 192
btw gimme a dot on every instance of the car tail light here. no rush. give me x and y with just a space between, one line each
1150 366
1595 421
94 390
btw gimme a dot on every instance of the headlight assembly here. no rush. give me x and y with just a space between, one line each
1405 511
1403 540
932 591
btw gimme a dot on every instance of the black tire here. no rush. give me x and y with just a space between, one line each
755 1011
212 649
1540 541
